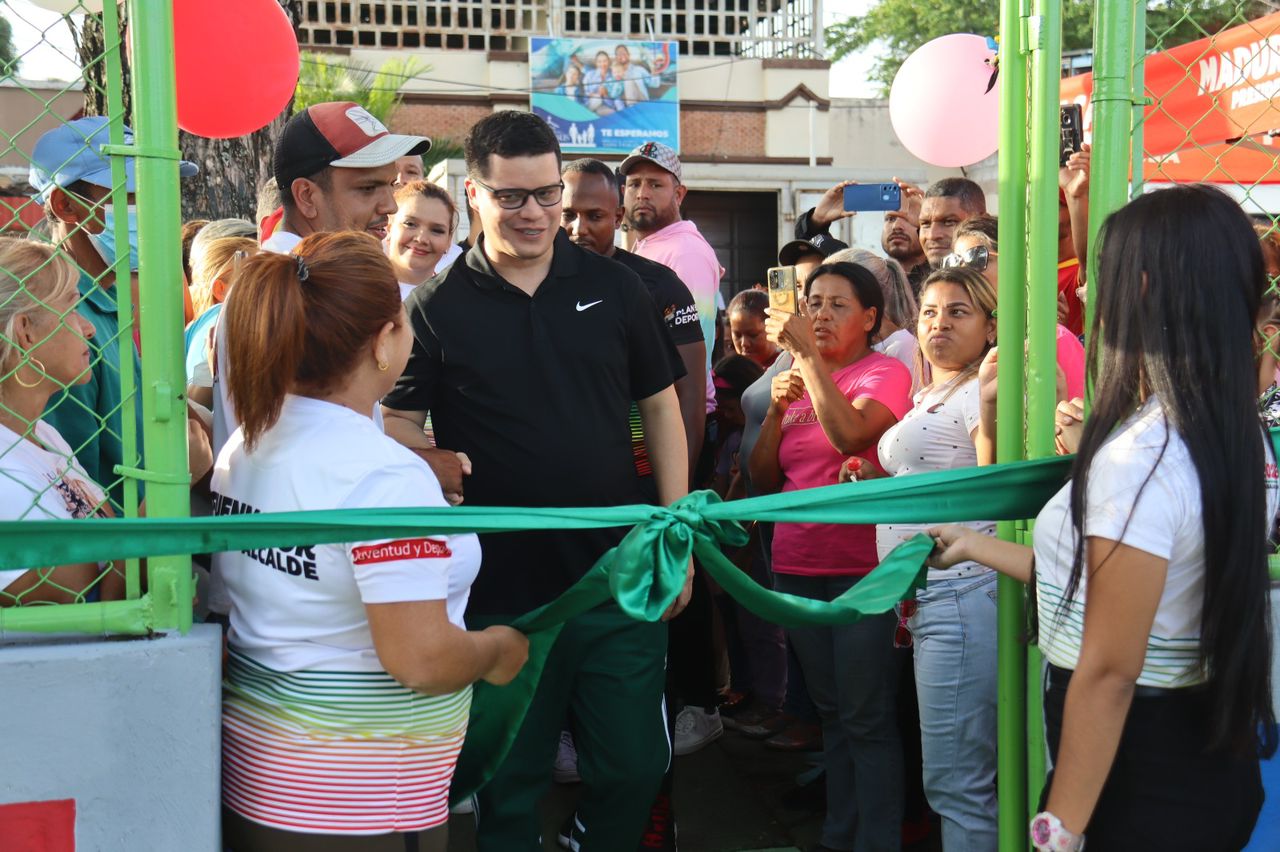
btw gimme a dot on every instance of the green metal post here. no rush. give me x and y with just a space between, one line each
110 618
1011 329
159 225
1042 305
122 290
1113 44
1139 98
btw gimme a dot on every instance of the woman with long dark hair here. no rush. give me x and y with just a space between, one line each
1150 565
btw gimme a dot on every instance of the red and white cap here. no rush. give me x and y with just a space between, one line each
340 134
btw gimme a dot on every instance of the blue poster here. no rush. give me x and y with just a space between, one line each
606 96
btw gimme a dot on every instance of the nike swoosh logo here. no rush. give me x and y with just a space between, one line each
582 307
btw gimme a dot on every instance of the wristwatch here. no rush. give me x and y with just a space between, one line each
1049 835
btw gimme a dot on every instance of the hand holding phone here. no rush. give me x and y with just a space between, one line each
783 292
872 196
1072 132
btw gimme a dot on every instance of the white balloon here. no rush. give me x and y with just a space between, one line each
67 7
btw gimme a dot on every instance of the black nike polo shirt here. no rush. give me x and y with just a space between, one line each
536 391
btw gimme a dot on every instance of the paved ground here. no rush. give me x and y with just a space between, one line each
735 795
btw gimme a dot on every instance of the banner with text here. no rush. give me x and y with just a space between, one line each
603 95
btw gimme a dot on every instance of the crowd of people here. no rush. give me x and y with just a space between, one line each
347 351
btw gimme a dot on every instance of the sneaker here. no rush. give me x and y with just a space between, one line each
696 728
564 836
565 769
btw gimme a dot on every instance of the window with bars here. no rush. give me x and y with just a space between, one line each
752 28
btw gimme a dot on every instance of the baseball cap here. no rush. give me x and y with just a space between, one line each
656 153
73 152
341 134
825 244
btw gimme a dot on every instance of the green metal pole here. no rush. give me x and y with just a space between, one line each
1139 99
1042 307
160 296
112 618
1113 44
122 288
1011 329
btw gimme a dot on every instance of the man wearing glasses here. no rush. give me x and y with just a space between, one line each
528 353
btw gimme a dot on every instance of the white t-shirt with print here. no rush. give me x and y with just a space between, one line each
902 345
1150 502
936 434
303 608
43 483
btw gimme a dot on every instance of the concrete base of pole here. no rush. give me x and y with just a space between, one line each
114 741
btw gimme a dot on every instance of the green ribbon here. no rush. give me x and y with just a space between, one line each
998 492
643 574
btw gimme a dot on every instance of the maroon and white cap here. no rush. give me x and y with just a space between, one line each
660 155
340 134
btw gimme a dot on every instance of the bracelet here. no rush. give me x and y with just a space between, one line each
1049 835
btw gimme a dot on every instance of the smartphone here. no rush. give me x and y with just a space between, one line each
1072 132
783 288
873 196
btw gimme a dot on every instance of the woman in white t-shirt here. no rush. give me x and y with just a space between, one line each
348 682
1150 566
953 625
43 349
420 233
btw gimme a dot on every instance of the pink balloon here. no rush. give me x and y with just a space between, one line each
237 65
939 103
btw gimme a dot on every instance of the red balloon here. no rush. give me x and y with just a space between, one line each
237 65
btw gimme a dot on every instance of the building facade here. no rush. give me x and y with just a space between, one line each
760 136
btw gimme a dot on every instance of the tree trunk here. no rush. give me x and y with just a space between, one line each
231 170
90 41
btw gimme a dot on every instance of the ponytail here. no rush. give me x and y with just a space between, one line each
298 323
266 337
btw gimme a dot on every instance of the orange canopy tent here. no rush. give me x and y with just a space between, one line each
1212 116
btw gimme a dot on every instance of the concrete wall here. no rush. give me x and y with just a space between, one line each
128 729
24 118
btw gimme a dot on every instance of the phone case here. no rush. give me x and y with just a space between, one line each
873 196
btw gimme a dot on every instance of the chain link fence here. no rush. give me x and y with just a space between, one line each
71 354
1203 113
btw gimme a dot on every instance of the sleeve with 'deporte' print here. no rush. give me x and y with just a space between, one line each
405 548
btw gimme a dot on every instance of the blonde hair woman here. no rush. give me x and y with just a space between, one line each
43 349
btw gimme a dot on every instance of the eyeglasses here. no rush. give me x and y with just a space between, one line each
975 258
514 199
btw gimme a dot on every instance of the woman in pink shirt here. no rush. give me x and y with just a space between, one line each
836 401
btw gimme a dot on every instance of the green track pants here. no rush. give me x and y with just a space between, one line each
607 672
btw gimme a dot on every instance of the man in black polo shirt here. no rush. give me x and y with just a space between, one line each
528 353
591 214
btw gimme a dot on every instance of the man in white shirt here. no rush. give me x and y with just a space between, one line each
336 166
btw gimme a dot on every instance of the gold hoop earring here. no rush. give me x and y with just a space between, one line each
39 365
383 365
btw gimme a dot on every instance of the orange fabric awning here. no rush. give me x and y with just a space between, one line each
1213 109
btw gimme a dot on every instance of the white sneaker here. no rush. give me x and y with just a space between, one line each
565 769
696 728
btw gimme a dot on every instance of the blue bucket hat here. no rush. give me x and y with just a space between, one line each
73 151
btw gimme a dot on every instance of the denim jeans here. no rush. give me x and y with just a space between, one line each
852 672
954 634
